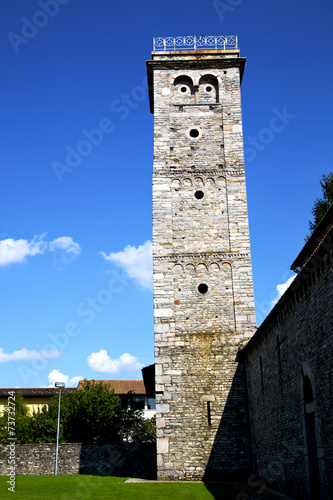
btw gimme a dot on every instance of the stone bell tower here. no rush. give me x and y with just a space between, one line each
203 293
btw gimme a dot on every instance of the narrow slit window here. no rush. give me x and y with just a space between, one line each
278 348
307 390
261 373
209 419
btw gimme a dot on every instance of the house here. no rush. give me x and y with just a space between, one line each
35 398
136 394
132 394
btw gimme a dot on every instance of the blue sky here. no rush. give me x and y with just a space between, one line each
76 166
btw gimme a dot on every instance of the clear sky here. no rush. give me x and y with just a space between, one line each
76 165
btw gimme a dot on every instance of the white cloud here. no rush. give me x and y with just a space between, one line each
65 243
56 376
74 381
102 363
16 251
26 355
136 261
281 288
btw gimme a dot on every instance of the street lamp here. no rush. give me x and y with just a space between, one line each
60 385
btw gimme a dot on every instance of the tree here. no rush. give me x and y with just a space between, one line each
16 416
321 205
142 430
44 424
90 415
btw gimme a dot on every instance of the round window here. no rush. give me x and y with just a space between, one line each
199 195
209 88
202 288
183 89
194 132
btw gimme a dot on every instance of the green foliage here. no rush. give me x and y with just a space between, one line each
321 205
91 415
140 429
44 424
134 426
16 416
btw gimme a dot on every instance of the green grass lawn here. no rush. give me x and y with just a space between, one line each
98 488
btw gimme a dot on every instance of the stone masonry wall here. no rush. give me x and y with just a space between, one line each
297 342
200 237
76 458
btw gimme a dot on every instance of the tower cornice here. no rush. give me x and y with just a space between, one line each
201 256
199 59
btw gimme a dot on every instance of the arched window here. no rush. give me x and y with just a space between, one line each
208 89
183 90
310 427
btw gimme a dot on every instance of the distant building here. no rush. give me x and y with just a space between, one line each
136 394
132 394
35 398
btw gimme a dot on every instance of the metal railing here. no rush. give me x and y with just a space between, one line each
195 43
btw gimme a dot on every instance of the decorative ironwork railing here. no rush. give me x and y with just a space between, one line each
195 43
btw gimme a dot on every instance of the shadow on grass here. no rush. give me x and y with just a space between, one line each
222 491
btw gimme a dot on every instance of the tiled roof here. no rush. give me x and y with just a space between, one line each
35 392
122 386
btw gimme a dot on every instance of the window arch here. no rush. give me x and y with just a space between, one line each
208 89
183 90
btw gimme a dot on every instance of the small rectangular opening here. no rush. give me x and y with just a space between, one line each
209 420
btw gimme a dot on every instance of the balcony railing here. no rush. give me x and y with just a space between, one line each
195 43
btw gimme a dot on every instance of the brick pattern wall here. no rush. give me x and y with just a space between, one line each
297 341
201 417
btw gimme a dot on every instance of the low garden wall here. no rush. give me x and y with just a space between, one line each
76 458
